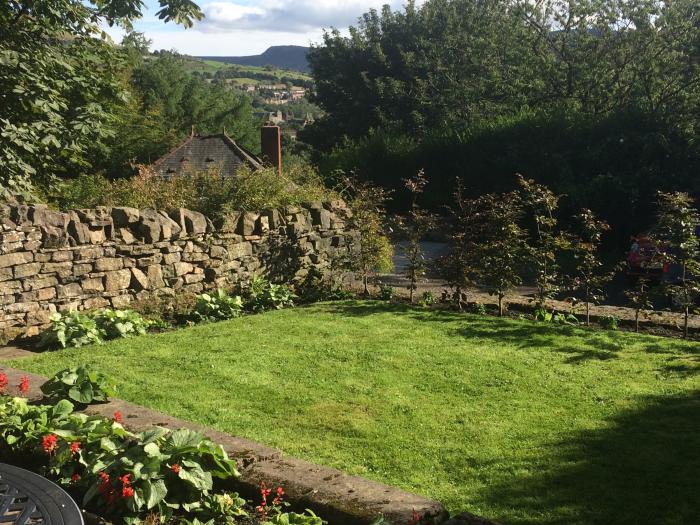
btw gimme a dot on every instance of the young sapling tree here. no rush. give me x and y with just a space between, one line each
417 224
640 298
676 234
591 277
503 244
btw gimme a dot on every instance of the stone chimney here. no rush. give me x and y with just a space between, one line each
271 142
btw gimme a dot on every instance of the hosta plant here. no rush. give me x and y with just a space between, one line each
217 306
264 295
121 323
72 329
80 384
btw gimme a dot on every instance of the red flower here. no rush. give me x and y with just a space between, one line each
264 493
118 416
125 479
278 498
175 468
127 492
75 478
24 384
75 447
49 443
415 519
3 382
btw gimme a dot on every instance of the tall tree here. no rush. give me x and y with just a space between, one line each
58 80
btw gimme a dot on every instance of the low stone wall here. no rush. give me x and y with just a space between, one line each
108 257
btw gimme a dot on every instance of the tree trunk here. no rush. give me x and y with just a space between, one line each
500 305
588 314
364 283
685 322
636 320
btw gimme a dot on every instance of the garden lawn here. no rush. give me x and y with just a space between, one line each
513 420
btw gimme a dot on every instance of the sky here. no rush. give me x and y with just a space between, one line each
249 27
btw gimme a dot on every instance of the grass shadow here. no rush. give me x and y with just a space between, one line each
643 468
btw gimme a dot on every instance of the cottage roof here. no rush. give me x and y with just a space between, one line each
200 153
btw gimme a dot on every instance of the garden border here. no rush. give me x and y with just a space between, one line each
337 497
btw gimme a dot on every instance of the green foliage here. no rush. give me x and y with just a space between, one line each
78 329
263 295
640 298
386 292
414 228
120 323
590 278
676 232
375 251
478 308
609 322
60 84
80 384
218 306
71 329
319 287
292 518
207 192
428 299
542 315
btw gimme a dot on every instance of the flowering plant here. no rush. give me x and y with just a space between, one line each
217 307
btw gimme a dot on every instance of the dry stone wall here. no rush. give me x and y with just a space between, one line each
109 257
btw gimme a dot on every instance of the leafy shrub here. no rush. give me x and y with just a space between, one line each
78 329
72 329
121 323
204 191
545 316
264 295
609 322
81 384
125 475
477 308
428 299
218 306
386 293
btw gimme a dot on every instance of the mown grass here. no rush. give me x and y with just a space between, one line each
517 421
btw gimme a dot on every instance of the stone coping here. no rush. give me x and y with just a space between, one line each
337 497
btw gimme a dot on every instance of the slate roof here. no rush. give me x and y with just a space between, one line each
200 153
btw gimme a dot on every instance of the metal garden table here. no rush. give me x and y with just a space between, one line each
29 499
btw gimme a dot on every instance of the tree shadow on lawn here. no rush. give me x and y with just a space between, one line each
582 343
643 469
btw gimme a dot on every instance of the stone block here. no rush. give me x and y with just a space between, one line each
126 235
182 268
149 228
124 216
89 253
93 285
117 280
155 276
109 264
61 269
171 258
193 278
36 283
139 280
80 269
321 217
52 237
143 262
6 273
95 303
218 252
171 229
18 308
191 222
8 288
13 259
78 231
27 270
68 291
240 249
38 317
44 294
121 301
62 255
246 224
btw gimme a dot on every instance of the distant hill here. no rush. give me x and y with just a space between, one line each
284 57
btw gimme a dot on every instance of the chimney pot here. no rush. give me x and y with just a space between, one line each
271 142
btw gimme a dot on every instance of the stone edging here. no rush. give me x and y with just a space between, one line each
339 498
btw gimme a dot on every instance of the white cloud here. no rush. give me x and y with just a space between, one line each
294 16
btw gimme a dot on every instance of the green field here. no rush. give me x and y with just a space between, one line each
212 66
517 421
